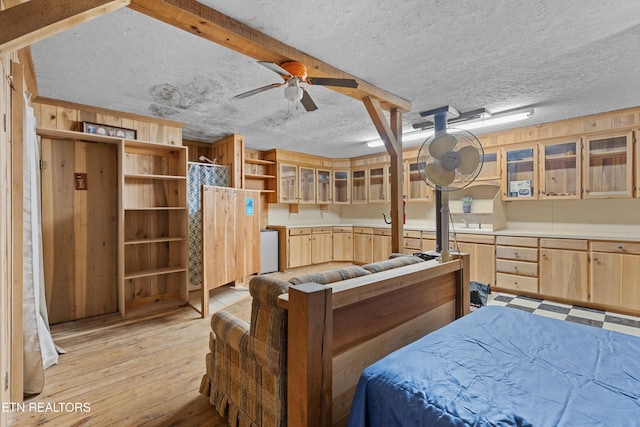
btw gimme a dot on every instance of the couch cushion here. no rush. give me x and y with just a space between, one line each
327 277
388 264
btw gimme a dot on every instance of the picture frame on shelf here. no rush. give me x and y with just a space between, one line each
107 130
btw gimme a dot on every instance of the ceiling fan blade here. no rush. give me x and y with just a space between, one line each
275 68
469 159
442 143
258 90
307 102
322 81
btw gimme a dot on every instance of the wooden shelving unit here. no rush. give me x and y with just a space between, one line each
152 228
259 174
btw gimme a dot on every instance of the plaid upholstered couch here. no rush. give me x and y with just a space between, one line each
246 376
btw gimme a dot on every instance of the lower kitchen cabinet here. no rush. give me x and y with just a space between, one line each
362 245
615 268
298 247
343 244
482 251
321 245
517 263
564 269
381 244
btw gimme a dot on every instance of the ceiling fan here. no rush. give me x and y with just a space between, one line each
293 73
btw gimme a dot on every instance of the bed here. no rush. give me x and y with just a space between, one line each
501 366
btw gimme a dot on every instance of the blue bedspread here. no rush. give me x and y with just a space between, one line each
504 367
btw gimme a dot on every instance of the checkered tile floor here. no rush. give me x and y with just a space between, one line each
587 316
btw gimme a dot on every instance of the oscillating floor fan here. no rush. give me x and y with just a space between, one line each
449 160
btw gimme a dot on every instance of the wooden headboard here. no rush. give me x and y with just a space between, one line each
336 331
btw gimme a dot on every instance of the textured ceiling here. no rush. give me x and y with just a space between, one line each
565 59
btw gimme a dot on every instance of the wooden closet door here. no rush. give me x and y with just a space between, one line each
79 216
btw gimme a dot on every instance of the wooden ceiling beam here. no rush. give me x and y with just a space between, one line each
200 20
35 20
387 135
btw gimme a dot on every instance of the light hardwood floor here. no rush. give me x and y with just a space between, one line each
138 372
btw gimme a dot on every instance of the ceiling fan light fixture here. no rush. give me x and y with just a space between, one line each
293 91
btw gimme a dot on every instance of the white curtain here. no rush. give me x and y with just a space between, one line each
39 349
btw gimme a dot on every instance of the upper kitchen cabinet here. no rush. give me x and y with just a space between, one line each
359 186
520 174
608 170
341 186
415 187
323 179
560 170
377 184
490 166
307 189
288 183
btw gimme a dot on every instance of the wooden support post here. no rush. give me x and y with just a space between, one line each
391 135
309 366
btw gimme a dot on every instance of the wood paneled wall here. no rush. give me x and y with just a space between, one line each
63 115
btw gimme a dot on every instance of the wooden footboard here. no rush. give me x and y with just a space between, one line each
336 331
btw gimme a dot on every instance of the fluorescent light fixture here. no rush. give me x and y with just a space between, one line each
409 136
493 121
485 122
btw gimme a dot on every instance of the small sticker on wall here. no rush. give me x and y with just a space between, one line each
248 206
81 181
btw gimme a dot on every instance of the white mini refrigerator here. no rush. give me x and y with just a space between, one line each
268 251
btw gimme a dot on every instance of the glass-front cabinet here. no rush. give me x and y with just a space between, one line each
323 178
359 186
377 184
560 167
415 187
519 180
288 179
607 168
307 184
341 186
490 166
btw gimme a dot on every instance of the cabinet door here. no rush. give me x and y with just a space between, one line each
377 186
359 186
299 251
490 166
341 186
288 183
482 261
323 178
381 247
416 189
607 169
307 185
362 248
614 280
342 247
560 176
564 274
519 181
321 248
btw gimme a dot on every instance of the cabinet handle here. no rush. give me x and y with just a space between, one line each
515 254
620 247
587 191
595 259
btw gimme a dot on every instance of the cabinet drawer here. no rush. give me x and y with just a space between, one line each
531 242
299 231
568 244
517 267
475 238
519 254
363 230
429 235
382 231
414 234
321 229
517 283
342 229
412 243
616 247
